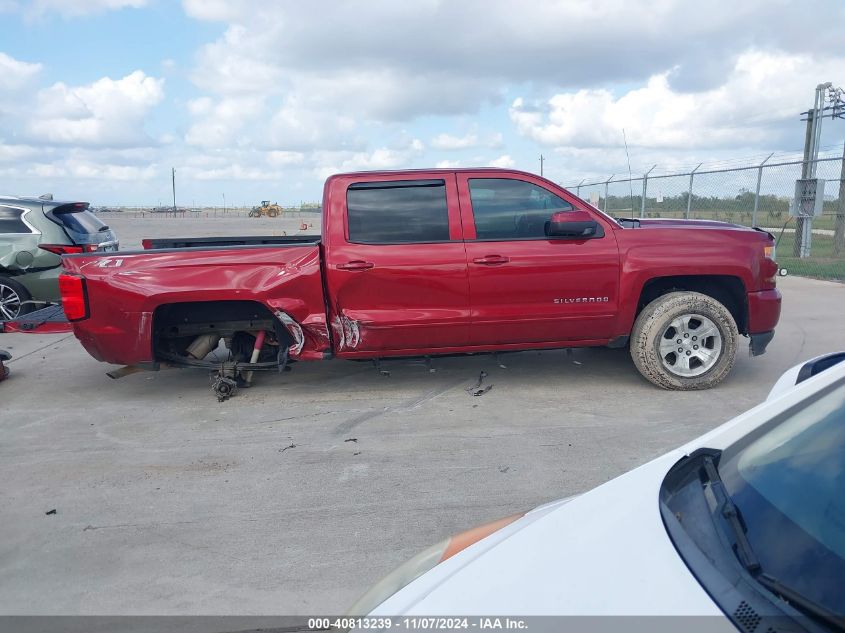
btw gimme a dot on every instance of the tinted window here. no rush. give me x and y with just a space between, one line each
398 212
80 221
508 209
10 221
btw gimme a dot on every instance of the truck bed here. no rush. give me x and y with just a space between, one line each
158 243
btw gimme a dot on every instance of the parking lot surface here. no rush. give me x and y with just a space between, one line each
297 494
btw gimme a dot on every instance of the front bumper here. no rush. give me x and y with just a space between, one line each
763 311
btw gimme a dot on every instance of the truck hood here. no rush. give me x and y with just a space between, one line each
663 223
605 552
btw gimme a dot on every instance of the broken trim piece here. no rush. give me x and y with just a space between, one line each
295 331
348 332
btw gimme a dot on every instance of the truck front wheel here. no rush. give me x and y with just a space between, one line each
684 341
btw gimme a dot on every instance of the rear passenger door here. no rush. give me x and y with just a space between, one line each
396 265
526 287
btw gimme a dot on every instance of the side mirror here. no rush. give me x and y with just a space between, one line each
573 225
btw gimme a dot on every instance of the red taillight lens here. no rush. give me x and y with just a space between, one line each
64 249
74 296
146 244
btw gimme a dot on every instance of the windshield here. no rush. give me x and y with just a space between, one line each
789 485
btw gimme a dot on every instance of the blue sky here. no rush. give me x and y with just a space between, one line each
262 100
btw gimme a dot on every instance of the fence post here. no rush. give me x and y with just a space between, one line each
689 193
757 192
606 183
839 222
645 189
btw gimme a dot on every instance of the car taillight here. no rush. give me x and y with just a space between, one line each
64 249
74 296
146 244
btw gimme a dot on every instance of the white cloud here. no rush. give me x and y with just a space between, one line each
285 159
16 75
71 8
447 164
449 142
327 163
504 161
107 112
221 122
471 140
760 97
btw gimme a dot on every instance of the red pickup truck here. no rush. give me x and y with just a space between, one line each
427 262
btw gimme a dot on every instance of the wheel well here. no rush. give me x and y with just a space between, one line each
175 325
727 290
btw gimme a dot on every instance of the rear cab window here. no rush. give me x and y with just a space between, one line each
397 212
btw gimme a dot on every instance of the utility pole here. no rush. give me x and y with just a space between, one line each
541 165
224 203
825 92
173 177
805 170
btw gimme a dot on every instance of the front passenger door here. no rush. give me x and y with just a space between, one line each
526 287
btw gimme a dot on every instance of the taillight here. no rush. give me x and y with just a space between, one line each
74 296
146 244
64 249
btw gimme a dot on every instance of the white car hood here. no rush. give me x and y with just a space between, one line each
606 552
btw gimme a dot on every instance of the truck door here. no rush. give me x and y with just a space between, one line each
395 264
526 287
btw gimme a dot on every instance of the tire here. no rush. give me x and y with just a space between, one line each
12 296
708 335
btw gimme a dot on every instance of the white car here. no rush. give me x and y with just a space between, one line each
747 521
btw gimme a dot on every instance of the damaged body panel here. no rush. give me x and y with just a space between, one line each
126 297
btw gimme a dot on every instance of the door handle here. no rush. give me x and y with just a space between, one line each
355 264
491 260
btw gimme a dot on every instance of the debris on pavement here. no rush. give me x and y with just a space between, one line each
49 512
351 439
292 445
4 371
477 389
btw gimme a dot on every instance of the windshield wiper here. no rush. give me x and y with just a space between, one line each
802 602
749 560
728 509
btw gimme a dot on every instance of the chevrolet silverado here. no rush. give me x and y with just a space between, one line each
428 262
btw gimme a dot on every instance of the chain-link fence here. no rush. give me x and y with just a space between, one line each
756 195
308 210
